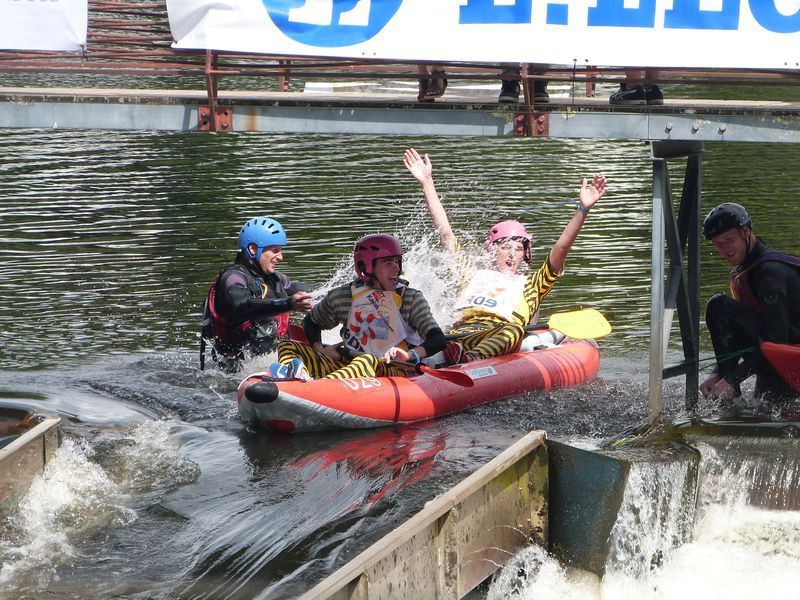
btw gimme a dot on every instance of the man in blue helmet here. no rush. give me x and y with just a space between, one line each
764 305
248 304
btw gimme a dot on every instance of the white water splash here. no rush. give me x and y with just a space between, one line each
654 518
148 460
736 551
533 573
426 266
77 498
74 497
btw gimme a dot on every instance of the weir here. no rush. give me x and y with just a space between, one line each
23 456
459 538
616 512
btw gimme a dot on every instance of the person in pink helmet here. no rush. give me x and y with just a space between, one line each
495 304
382 320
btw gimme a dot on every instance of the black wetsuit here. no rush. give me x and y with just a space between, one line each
251 319
772 314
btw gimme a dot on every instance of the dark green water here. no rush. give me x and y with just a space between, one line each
108 242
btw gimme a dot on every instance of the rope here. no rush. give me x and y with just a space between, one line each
722 357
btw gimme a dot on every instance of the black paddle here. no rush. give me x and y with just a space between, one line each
452 375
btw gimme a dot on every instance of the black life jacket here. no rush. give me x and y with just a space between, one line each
229 336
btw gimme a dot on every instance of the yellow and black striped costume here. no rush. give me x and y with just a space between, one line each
333 310
491 335
319 365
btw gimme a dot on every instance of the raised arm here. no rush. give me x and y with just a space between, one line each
422 170
590 193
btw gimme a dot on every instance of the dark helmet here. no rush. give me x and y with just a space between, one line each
724 217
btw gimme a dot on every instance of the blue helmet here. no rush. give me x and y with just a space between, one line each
262 232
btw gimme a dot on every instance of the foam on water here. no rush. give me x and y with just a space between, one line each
662 548
82 494
74 497
148 461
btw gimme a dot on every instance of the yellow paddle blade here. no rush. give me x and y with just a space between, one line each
580 324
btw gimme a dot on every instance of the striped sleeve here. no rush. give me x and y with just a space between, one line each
416 311
539 285
333 309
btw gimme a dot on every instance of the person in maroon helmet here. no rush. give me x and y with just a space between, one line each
496 304
382 319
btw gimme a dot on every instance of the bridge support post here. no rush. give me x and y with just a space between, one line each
681 290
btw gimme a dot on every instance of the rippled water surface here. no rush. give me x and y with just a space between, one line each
108 242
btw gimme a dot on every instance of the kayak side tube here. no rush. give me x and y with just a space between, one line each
295 406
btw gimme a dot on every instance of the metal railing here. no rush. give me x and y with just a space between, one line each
131 37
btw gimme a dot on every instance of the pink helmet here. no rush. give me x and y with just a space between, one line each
511 230
370 247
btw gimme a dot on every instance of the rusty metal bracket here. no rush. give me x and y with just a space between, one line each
532 123
285 74
213 117
220 119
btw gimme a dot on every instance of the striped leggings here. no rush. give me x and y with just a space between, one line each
323 367
496 341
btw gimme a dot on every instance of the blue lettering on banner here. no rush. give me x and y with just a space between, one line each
684 14
329 23
484 12
769 18
557 14
612 13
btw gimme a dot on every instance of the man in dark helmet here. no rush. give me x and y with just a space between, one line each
248 303
764 306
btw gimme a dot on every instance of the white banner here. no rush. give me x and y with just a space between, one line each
43 24
619 33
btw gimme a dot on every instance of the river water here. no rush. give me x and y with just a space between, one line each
108 242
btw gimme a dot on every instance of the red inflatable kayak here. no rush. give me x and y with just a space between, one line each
286 406
785 359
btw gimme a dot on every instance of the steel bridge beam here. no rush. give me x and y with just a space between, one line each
373 114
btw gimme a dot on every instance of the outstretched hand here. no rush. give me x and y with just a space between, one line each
592 192
301 302
420 167
708 384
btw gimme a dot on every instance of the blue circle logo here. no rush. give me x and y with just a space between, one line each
330 23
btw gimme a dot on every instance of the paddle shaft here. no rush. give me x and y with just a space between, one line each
528 329
397 363
452 375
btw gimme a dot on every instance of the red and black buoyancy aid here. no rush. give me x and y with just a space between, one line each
227 332
740 280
